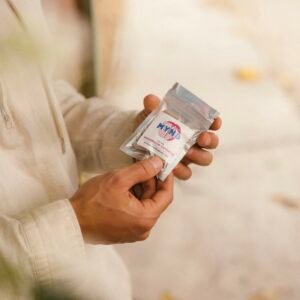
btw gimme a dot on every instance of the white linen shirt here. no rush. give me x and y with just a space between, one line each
47 133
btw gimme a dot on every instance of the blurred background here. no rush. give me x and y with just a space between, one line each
233 231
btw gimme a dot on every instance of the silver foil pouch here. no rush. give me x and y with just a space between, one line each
172 129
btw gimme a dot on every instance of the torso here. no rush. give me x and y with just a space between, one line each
33 168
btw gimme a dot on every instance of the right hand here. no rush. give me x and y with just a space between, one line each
109 213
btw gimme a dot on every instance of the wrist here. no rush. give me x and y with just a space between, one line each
76 207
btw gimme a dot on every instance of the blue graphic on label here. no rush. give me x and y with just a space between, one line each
169 130
166 137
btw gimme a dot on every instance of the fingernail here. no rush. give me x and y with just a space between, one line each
156 162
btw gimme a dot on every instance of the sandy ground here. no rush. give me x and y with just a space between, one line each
233 232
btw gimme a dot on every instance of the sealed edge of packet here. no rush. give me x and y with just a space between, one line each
172 129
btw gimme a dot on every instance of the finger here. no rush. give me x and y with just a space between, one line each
151 102
208 140
185 162
217 124
199 156
182 172
139 172
163 196
141 117
149 189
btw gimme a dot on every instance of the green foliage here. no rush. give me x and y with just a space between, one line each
10 278
43 293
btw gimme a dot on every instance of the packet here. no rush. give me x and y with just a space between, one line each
171 130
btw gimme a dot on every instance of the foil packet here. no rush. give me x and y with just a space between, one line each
172 129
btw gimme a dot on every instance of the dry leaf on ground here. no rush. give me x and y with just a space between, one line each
248 74
166 296
265 296
286 201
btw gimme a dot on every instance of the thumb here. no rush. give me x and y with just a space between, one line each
141 171
151 103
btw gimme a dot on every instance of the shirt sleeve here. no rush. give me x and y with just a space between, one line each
96 129
45 244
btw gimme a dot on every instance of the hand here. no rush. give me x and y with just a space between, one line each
109 213
198 154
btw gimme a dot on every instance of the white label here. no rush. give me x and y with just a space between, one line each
166 137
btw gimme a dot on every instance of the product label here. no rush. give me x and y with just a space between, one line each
166 137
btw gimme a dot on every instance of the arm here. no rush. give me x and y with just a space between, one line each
96 129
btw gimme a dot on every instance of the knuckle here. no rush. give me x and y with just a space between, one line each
185 175
146 167
217 141
144 236
208 159
116 179
189 175
106 183
184 178
144 225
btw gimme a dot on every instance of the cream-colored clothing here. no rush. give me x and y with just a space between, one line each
47 130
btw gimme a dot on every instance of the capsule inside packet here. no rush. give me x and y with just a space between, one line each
171 130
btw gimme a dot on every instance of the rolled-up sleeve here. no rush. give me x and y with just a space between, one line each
46 243
96 129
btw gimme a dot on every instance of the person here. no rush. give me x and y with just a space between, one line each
53 230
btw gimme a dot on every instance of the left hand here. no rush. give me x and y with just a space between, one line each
198 154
